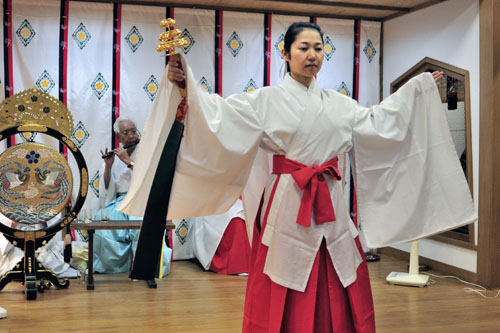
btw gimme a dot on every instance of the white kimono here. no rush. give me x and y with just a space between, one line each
409 181
119 181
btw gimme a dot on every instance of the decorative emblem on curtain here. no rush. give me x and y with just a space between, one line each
189 40
25 32
45 82
28 136
234 44
80 135
151 87
134 38
280 44
99 86
94 184
182 231
328 48
343 89
369 50
81 36
251 86
205 85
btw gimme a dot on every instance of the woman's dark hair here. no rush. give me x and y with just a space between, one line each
291 35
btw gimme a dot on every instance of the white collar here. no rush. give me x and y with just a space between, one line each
295 86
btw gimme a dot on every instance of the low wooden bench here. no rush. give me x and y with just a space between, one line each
93 225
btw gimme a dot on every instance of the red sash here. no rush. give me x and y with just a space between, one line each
310 179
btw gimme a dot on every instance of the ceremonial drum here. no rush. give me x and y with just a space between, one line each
36 181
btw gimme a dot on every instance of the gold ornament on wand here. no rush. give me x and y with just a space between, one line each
170 38
168 41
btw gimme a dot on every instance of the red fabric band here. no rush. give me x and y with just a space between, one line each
310 179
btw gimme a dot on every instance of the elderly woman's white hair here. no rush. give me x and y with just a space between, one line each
116 125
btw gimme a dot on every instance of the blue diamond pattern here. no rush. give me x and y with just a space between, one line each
80 135
234 44
369 50
151 87
81 36
185 34
280 44
99 86
251 86
45 82
94 184
344 90
205 85
134 38
328 48
182 231
25 32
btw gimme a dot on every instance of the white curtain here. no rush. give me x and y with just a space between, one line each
242 52
35 50
89 84
369 63
338 64
141 67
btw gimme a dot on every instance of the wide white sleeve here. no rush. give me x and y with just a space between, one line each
409 182
221 138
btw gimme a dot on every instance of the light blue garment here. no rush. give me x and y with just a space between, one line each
115 249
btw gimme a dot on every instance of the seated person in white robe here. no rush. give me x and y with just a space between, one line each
219 242
114 250
51 256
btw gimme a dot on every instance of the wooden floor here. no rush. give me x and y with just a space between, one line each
192 300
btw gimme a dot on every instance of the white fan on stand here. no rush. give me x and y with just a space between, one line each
412 278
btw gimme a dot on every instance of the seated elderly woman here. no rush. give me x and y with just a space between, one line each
114 250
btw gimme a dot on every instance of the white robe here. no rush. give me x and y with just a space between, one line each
409 181
119 181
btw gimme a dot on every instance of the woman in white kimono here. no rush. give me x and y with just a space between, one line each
114 249
308 271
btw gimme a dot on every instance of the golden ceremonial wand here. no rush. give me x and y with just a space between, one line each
148 259
168 41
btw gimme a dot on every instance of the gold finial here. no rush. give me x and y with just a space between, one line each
170 38
33 109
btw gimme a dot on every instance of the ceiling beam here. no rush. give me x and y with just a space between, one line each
344 5
414 9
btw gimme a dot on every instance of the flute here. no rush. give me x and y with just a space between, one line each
109 154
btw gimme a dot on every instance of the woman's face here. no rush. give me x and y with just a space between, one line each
306 56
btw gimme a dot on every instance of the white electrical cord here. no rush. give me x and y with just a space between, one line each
479 291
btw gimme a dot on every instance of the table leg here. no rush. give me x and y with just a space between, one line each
90 268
